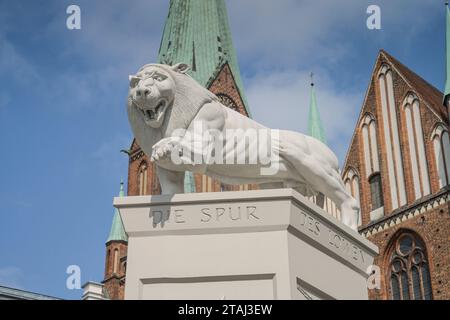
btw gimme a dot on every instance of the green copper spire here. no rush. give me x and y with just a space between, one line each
315 128
189 182
121 192
447 51
197 33
117 232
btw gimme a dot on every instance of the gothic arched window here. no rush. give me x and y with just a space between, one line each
441 143
369 139
142 178
351 182
227 101
115 260
419 168
376 191
389 125
409 275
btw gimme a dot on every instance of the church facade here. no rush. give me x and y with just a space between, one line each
397 165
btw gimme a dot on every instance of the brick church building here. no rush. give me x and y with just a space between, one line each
397 165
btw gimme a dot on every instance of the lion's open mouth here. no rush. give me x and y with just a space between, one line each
154 116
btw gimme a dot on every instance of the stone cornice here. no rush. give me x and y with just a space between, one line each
410 212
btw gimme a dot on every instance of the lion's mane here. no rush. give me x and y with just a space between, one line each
189 98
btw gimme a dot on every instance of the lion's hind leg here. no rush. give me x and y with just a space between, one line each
322 177
172 182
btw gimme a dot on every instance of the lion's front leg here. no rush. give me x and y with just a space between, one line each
171 182
163 149
350 213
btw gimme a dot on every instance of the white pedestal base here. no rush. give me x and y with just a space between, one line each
267 244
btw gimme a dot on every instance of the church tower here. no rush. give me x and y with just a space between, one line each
197 33
116 251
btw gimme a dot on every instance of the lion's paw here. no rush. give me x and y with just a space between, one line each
163 149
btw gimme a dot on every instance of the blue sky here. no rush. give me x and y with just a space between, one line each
63 93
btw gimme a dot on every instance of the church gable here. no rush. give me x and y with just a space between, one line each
431 96
223 85
391 148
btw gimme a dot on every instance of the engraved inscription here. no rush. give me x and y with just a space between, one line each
207 214
340 243
161 216
310 224
337 242
229 213
179 218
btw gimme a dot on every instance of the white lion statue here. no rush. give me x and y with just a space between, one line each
170 113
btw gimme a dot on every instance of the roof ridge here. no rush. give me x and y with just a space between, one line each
366 94
397 62
433 101
25 293
432 98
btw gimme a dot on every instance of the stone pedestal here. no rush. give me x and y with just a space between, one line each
265 244
93 291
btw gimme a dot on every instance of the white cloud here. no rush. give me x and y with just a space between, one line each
286 39
115 32
286 32
290 33
281 100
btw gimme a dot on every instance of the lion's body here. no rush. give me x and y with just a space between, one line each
300 161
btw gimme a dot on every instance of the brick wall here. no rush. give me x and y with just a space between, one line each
224 83
114 281
433 227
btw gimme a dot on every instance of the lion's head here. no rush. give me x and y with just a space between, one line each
161 99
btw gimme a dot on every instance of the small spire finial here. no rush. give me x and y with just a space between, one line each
122 192
311 75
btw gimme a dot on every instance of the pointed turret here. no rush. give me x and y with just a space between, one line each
116 255
117 232
315 130
315 127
